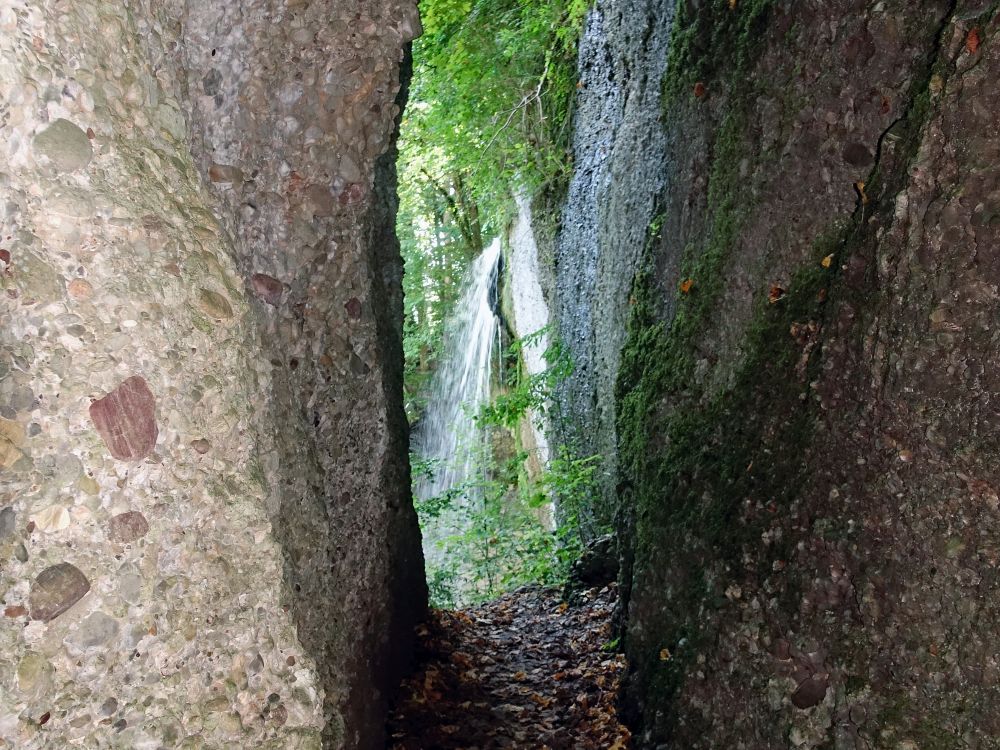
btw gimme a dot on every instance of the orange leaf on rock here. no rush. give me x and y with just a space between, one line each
972 40
860 187
686 285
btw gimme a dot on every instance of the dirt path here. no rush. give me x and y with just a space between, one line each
524 671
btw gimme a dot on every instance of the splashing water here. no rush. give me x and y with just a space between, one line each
448 435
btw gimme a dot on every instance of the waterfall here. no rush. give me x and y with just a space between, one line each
447 434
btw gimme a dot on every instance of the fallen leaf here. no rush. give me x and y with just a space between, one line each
776 294
972 40
699 89
827 261
860 187
664 654
686 285
732 4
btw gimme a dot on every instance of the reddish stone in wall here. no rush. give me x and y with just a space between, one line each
353 307
127 527
353 193
56 589
126 419
266 288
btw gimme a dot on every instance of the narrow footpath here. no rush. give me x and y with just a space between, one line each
524 671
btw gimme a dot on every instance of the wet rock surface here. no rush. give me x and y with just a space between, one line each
619 152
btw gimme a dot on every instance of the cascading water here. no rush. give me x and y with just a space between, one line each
447 436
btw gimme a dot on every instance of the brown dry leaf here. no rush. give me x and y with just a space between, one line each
520 676
541 700
699 89
972 40
686 285
664 654
860 187
827 261
776 294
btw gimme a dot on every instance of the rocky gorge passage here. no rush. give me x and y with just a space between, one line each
528 670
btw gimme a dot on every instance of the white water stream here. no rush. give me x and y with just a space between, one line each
447 435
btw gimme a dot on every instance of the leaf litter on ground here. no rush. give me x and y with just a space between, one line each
523 671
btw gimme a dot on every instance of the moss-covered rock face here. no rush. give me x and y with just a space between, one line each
588 263
206 538
808 479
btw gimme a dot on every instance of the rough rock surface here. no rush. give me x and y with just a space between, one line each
618 156
807 398
204 514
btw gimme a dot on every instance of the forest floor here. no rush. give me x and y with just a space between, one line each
527 670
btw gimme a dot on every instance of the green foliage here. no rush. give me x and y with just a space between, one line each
490 109
530 393
505 542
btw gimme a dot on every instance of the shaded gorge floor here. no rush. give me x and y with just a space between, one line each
527 670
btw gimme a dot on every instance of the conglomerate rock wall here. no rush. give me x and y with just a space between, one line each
206 538
807 399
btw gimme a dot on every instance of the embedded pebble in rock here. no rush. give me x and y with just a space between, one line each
809 693
88 485
352 194
65 145
353 307
95 630
214 304
266 287
53 518
127 527
8 521
56 589
34 673
79 289
11 442
201 445
126 419
225 173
